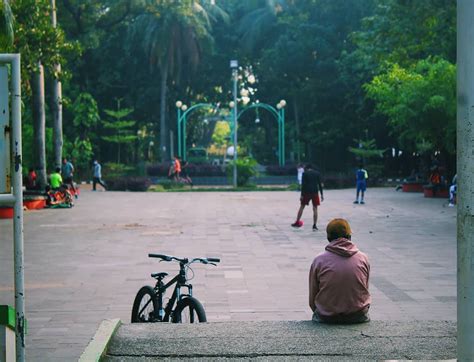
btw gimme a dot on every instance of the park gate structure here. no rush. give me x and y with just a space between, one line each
278 113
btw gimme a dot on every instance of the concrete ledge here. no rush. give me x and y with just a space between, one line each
98 345
379 340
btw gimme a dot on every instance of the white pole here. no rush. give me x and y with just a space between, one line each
18 210
234 76
465 170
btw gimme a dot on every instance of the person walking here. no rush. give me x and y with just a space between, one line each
67 171
177 169
361 184
310 186
339 279
97 176
185 175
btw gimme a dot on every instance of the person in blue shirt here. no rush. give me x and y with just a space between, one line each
361 184
97 176
67 172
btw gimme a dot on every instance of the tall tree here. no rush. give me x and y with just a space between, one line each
174 35
120 127
41 46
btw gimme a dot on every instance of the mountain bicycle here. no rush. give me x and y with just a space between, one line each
181 307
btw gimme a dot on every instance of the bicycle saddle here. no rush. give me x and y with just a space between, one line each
159 275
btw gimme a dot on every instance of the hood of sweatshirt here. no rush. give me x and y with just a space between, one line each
342 247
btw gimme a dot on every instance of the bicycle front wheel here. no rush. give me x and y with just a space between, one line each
144 306
189 310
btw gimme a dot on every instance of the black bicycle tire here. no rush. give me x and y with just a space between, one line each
145 290
191 303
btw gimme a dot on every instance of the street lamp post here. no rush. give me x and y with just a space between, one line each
234 64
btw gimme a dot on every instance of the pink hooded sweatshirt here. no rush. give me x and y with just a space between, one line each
339 280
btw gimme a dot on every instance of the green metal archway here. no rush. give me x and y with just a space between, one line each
279 114
183 112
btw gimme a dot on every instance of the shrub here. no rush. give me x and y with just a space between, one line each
276 170
128 184
113 170
158 169
171 185
246 168
201 170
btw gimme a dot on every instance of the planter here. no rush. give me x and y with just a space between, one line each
6 212
34 204
442 193
412 187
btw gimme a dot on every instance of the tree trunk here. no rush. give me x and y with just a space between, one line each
57 102
297 130
163 90
39 124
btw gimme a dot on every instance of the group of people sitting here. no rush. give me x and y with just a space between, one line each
437 181
61 188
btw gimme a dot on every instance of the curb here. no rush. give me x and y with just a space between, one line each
97 347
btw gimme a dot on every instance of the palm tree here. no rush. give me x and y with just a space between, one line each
174 35
257 24
6 25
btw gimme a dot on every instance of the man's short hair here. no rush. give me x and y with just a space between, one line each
338 228
58 169
309 166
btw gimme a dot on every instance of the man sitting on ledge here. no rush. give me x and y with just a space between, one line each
339 279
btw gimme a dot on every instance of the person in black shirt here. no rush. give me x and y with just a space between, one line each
309 191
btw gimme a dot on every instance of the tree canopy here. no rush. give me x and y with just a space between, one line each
371 70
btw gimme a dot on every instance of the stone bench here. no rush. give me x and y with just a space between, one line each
282 340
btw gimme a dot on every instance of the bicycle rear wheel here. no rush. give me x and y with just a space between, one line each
144 306
189 310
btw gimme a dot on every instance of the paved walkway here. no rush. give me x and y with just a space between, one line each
86 264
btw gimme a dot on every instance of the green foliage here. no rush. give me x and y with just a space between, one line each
80 138
6 25
36 39
404 31
116 170
122 134
367 149
316 54
420 102
85 111
221 134
80 153
246 168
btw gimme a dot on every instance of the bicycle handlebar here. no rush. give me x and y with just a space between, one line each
184 260
161 256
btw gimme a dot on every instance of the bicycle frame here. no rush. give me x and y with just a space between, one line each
163 315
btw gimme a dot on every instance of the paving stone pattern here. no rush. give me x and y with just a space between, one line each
85 264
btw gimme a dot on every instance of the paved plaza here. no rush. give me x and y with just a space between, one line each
85 264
